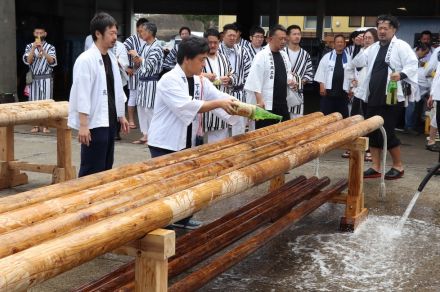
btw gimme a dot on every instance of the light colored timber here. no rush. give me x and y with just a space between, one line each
18 114
88 182
43 261
14 241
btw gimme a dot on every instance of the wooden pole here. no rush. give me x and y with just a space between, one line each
141 187
202 276
15 241
18 113
9 177
35 264
247 225
88 182
188 243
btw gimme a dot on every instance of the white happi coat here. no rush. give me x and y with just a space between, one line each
326 67
175 109
400 57
88 94
434 67
42 82
261 76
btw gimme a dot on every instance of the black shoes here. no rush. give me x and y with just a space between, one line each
371 173
394 174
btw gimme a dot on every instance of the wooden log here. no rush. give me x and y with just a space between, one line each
125 274
23 238
22 165
19 114
203 171
202 276
48 259
8 177
88 182
195 238
227 237
191 238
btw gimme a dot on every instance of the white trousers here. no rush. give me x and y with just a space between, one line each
239 127
132 97
144 115
214 136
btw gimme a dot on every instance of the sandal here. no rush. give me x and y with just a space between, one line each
346 154
368 157
371 173
394 173
140 142
46 130
132 126
35 129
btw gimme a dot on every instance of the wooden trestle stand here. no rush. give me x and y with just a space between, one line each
54 116
151 265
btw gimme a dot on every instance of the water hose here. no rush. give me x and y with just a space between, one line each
382 188
428 177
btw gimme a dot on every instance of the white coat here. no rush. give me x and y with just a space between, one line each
121 55
434 66
326 67
400 57
175 109
88 94
261 76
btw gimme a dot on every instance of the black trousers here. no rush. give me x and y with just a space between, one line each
277 109
437 116
156 152
99 155
390 115
358 107
334 104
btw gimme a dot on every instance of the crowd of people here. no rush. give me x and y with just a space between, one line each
184 97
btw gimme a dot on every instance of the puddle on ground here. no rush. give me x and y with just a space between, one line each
377 257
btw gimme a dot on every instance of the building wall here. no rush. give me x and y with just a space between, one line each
8 78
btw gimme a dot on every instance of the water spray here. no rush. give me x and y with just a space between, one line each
382 189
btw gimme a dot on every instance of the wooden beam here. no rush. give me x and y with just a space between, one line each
151 263
277 182
360 144
33 167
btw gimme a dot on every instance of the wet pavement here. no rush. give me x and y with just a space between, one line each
312 255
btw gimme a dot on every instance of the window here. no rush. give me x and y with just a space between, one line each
355 21
370 21
264 21
310 22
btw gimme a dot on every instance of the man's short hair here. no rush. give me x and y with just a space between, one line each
100 22
184 28
426 32
230 26
40 26
141 21
256 29
292 27
239 26
390 18
151 27
275 28
339 36
191 47
211 32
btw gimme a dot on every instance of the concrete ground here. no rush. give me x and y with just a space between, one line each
272 267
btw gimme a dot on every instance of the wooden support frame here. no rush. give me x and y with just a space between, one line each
151 265
355 212
10 169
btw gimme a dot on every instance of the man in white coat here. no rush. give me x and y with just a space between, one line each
181 97
267 81
390 59
97 98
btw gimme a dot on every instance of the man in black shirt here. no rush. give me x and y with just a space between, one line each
273 63
393 58
96 104
333 98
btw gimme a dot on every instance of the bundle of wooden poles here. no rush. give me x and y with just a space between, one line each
47 231
302 194
21 113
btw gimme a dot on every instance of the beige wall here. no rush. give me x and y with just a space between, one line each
339 23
